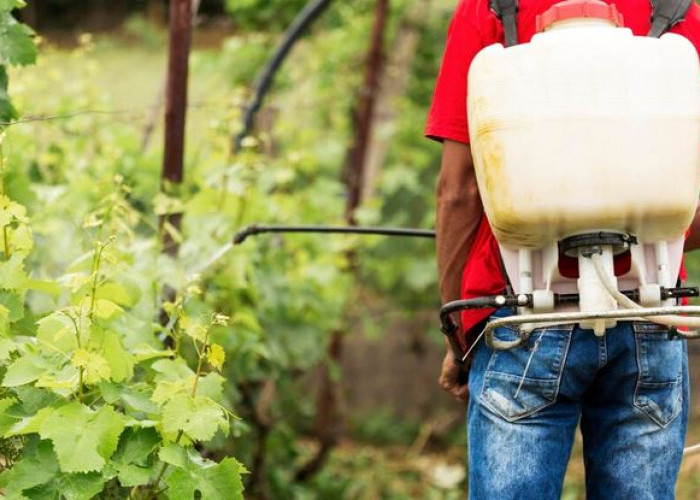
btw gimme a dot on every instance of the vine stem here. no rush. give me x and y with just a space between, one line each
202 355
200 365
7 243
76 327
163 469
96 261
2 192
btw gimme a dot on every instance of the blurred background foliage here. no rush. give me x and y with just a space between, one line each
79 153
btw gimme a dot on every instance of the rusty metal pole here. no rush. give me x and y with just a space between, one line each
157 107
172 173
176 107
176 90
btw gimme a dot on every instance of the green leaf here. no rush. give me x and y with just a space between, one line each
133 461
56 332
95 367
173 377
181 484
136 446
79 486
10 5
49 287
211 386
166 390
12 276
193 474
24 370
164 204
7 110
37 466
34 399
135 475
121 363
193 329
106 309
83 439
216 356
172 369
144 352
62 381
197 417
8 417
31 424
114 292
17 44
7 114
135 397
67 486
14 303
7 347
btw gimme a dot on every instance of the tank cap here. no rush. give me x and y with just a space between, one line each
576 9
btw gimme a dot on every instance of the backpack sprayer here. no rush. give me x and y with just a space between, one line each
586 144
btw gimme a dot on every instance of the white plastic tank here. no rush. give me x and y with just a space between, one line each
586 128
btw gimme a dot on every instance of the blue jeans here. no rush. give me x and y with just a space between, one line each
628 390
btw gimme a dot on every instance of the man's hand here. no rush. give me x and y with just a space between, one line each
449 378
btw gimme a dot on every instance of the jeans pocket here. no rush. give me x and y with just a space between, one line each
521 381
659 390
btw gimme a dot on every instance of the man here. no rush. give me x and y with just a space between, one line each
632 449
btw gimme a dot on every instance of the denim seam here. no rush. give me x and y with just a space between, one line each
485 401
663 425
641 406
517 378
488 404
646 327
602 352
563 360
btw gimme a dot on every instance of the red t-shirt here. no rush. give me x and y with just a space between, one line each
474 27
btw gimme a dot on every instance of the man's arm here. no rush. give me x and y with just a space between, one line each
459 212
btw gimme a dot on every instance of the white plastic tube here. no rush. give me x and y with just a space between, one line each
628 303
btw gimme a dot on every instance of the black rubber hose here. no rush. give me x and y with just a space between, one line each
449 327
306 17
242 235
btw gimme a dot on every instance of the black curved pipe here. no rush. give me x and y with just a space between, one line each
242 235
450 329
306 17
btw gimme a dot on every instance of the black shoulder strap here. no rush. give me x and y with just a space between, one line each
507 12
665 14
